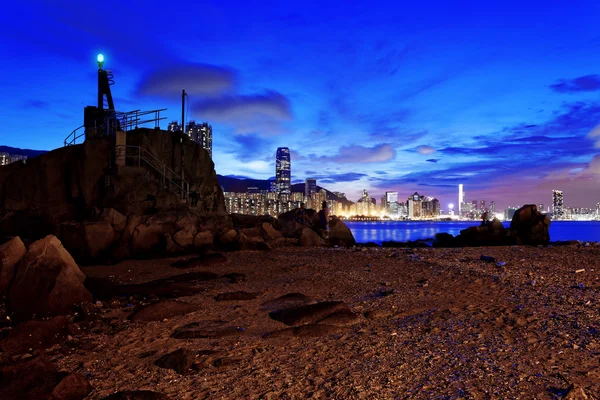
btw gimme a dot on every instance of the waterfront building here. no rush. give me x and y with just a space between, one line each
415 209
283 171
310 186
391 204
461 198
557 204
4 158
201 134
430 207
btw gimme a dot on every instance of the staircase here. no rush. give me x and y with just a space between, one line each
140 157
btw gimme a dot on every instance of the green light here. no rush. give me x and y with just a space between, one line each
100 58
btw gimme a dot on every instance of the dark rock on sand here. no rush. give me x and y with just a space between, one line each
11 252
287 301
340 234
234 296
309 314
175 286
530 226
310 238
235 277
137 395
206 329
36 335
180 361
72 387
310 330
33 379
204 260
164 309
47 281
341 318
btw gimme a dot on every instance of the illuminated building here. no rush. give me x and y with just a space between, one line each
310 187
557 204
415 206
461 198
283 171
391 203
201 134
4 159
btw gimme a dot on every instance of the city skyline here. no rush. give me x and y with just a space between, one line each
400 97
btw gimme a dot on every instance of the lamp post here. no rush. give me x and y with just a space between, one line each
100 59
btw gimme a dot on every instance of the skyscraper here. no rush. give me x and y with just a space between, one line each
310 187
557 203
461 197
391 203
200 133
283 166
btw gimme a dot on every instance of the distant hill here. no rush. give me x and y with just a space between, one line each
231 184
22 152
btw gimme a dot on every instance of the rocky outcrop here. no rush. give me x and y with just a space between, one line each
529 226
11 253
72 183
47 281
36 335
340 234
310 238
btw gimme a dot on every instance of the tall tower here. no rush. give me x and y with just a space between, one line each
283 166
461 197
201 134
310 187
557 203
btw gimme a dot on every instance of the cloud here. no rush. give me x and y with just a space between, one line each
196 79
260 113
341 177
360 154
432 160
595 136
251 147
37 104
587 83
425 150
295 156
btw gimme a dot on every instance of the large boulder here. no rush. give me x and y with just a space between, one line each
89 241
47 281
33 379
311 238
529 226
117 220
268 232
148 238
204 240
11 253
340 234
36 335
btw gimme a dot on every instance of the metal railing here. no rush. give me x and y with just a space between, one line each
73 136
119 121
139 156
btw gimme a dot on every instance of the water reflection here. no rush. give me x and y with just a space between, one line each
402 231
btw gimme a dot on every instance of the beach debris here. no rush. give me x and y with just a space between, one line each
580 270
500 264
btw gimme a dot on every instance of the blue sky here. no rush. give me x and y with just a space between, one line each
503 97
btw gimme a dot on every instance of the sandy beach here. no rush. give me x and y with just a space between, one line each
424 323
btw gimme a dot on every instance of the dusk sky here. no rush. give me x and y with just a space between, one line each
503 97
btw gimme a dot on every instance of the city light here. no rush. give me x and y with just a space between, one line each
100 58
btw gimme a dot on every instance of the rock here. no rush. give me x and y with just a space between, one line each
310 330
268 232
252 232
36 335
47 281
163 309
99 237
184 238
206 329
228 237
171 247
308 314
137 395
444 239
147 237
115 218
33 379
341 318
180 361
236 296
289 300
529 226
310 238
72 387
204 240
11 253
292 229
340 234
